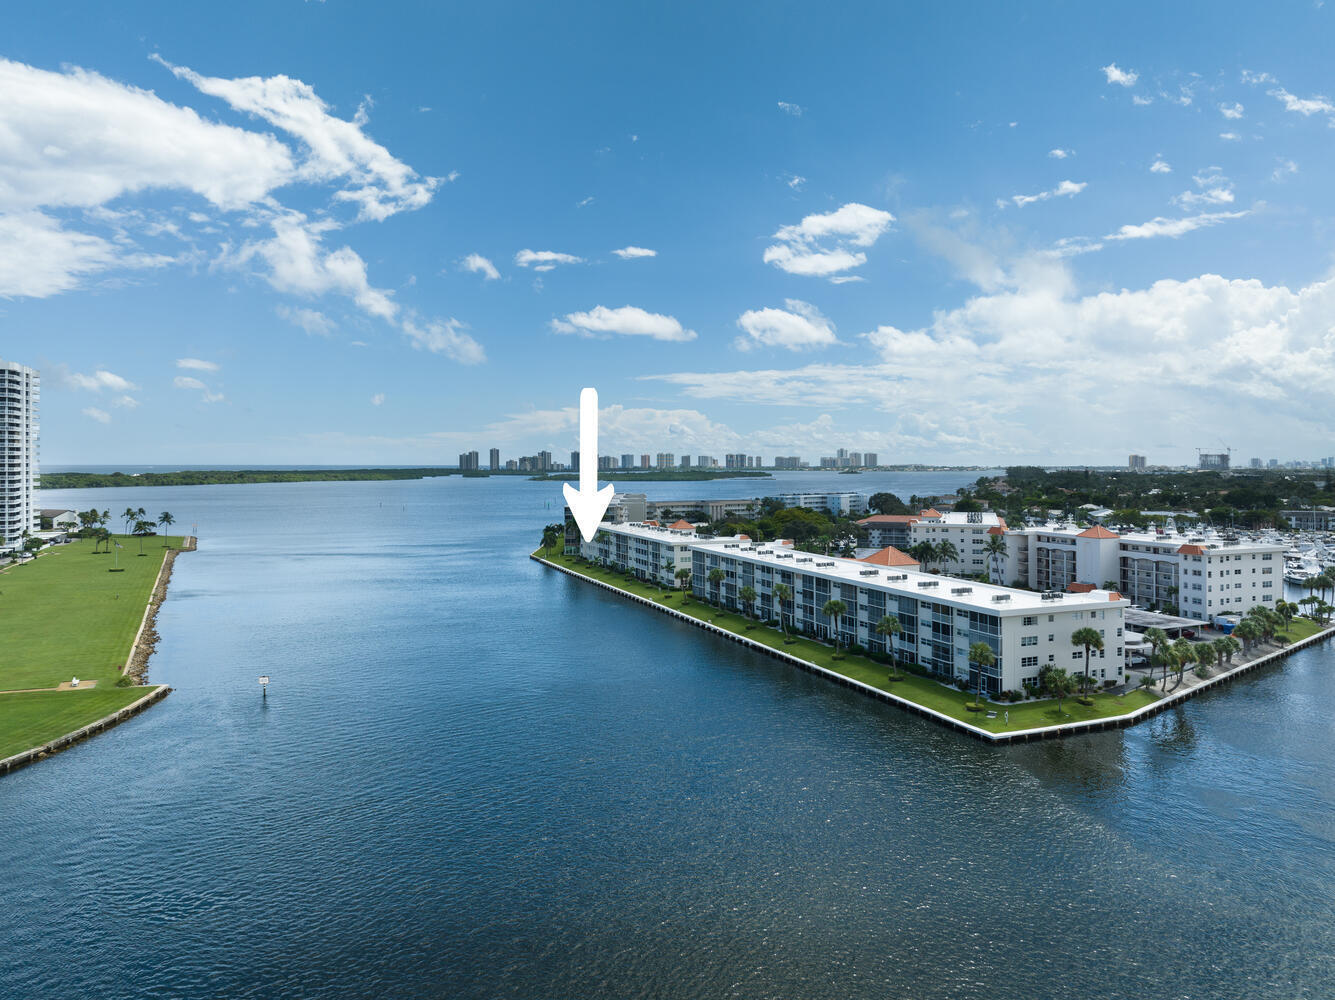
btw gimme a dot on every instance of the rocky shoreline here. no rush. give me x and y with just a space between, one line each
137 666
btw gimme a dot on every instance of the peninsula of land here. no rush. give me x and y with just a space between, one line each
88 611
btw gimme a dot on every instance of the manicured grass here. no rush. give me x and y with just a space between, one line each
70 617
37 717
1301 628
920 690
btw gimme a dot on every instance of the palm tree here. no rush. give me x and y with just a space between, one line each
747 595
716 577
1205 654
1158 640
142 529
981 655
1248 630
924 552
832 610
783 594
1220 649
128 515
1231 646
1090 639
683 576
1183 652
549 538
1057 682
166 520
889 627
946 552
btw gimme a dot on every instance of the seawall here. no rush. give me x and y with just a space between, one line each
1014 736
92 729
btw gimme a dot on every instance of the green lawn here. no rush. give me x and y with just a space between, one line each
1301 628
70 617
74 618
29 720
920 690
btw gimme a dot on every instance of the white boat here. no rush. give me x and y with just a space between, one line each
1301 570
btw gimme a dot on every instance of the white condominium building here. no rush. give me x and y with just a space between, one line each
1201 575
966 531
939 617
846 504
20 394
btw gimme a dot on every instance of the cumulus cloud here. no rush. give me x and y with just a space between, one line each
826 244
796 110
1174 228
1121 77
1231 111
445 337
798 327
311 320
981 381
629 321
99 380
1305 106
1066 189
40 257
1212 188
1286 168
1140 101
101 416
378 399
477 264
1160 167
795 181
631 253
545 260
196 364
1229 136
1059 154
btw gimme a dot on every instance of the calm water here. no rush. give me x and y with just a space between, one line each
478 778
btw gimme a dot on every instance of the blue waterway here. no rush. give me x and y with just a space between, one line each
478 778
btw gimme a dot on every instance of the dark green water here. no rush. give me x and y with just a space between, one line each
478 778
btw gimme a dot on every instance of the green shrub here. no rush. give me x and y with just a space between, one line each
124 681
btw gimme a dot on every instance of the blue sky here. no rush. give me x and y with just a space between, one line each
347 233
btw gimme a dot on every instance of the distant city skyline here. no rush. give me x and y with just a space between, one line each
903 231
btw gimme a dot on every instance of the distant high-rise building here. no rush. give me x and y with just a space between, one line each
1256 463
511 465
871 460
20 393
1272 463
787 462
574 461
827 462
685 461
666 460
495 459
606 463
645 463
1215 461
544 460
1136 463
759 464
704 461
855 459
468 461
628 461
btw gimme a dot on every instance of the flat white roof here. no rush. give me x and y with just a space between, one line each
1210 540
911 583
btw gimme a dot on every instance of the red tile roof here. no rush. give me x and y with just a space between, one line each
889 556
654 523
890 519
1191 550
681 524
931 512
1098 531
995 530
1113 595
1080 588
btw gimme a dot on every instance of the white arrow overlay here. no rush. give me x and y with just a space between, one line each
588 503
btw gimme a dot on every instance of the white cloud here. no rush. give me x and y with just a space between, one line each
125 402
1231 111
1066 189
444 337
1249 77
39 257
195 364
378 399
799 327
99 380
1305 106
796 110
190 382
820 245
1229 136
1140 101
380 184
981 381
101 416
311 320
1212 188
1121 77
796 181
1160 167
477 264
1286 168
1174 228
545 260
629 321
1059 154
585 201
631 253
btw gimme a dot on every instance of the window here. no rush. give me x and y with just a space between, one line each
1028 661
1029 640
1029 620
1077 655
